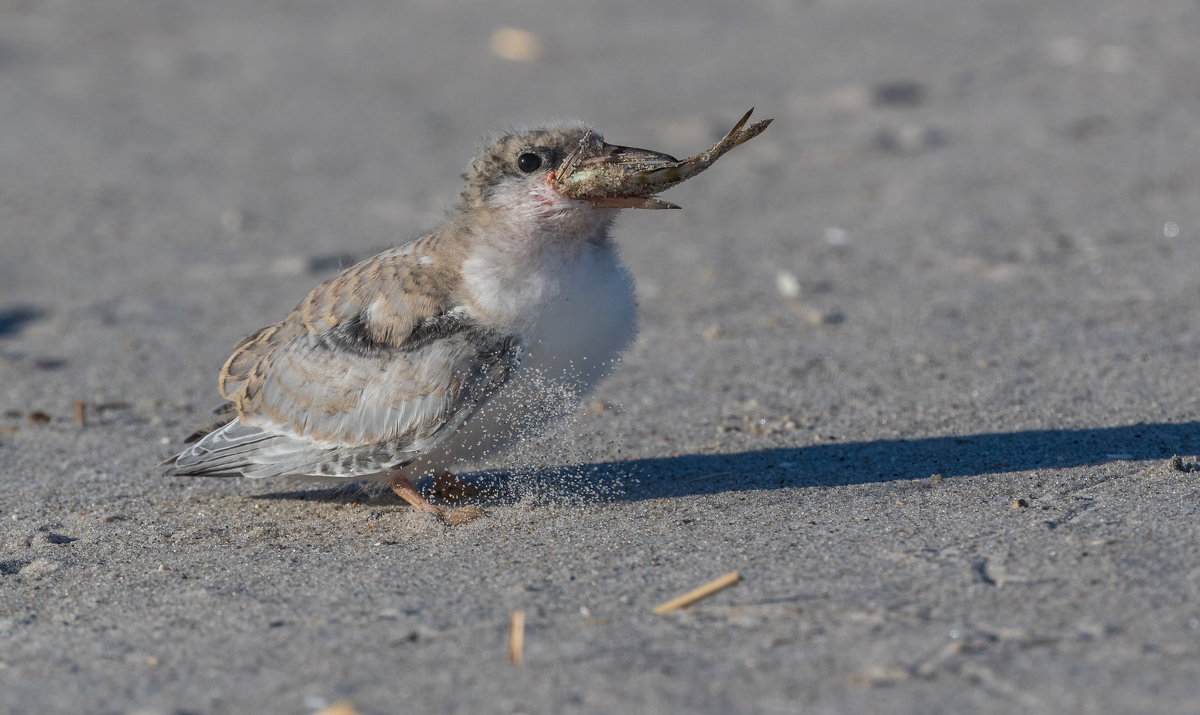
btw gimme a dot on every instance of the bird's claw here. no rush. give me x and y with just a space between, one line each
455 517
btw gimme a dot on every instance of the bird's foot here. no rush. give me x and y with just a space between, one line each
406 491
454 517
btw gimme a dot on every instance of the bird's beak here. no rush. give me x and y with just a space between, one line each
609 176
623 177
625 156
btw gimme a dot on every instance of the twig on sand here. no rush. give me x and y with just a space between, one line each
694 595
516 638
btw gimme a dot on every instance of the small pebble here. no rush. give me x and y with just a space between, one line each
836 236
1176 464
509 43
903 93
787 284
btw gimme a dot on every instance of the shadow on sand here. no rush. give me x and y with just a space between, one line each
13 319
840 464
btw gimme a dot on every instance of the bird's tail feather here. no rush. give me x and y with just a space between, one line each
227 451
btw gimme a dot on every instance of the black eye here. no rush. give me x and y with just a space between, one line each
528 162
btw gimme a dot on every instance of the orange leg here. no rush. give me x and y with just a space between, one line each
404 489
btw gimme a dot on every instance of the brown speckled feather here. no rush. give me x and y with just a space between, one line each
372 366
386 296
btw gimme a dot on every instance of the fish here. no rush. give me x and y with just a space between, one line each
630 179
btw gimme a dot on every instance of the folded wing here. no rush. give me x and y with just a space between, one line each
352 383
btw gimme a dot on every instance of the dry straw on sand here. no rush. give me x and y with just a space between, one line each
696 594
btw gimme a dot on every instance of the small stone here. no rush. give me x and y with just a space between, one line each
510 43
902 93
1176 464
816 317
787 284
836 236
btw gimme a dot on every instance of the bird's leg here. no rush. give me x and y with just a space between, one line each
404 489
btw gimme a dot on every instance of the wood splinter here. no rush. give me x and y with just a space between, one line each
516 638
696 594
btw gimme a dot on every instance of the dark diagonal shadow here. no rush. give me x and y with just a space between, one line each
848 463
14 318
898 460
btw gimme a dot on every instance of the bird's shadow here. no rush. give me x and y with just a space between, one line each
842 464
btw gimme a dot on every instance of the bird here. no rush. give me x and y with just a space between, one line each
420 356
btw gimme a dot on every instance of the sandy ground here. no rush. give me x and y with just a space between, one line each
914 362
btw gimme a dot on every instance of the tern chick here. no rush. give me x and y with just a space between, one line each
387 370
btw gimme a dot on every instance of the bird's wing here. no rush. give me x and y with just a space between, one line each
325 408
355 377
341 388
386 295
220 417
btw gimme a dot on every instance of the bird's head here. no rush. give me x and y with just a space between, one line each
520 172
